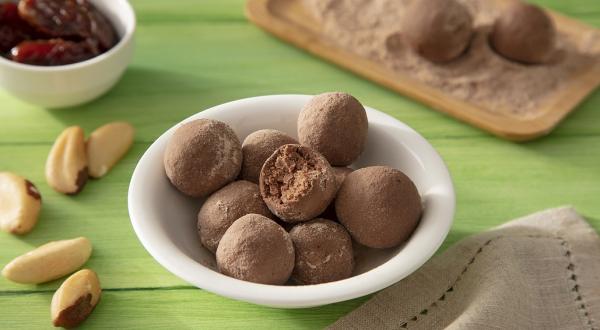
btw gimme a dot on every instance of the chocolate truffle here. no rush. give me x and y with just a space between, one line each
379 205
340 175
438 30
225 206
524 33
334 124
256 249
257 147
202 156
297 183
323 252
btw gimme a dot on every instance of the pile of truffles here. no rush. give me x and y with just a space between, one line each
281 210
441 30
505 57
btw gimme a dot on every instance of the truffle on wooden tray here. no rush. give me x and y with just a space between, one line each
524 33
439 30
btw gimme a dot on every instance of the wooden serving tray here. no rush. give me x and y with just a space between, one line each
290 21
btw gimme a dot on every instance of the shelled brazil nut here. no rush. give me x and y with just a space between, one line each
73 159
49 261
76 298
66 166
106 146
20 203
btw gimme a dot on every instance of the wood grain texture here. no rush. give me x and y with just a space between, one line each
201 53
291 21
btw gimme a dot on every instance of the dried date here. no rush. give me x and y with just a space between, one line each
69 19
51 52
13 29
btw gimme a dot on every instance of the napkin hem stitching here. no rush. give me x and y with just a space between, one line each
579 298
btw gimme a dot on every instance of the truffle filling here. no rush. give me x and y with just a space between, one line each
292 175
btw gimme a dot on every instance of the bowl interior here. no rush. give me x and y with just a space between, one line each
165 220
118 13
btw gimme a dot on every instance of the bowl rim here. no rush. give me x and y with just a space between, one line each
130 27
371 281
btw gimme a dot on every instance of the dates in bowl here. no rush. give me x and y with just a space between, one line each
53 32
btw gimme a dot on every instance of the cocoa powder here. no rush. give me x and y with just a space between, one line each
372 29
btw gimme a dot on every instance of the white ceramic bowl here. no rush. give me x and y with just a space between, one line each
165 220
74 84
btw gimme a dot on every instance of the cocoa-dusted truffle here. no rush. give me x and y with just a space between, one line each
438 30
524 33
334 124
256 249
323 252
379 205
202 156
340 175
257 147
297 183
225 206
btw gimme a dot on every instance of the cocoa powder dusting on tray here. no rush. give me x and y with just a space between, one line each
372 29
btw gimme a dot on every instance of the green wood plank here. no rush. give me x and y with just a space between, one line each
99 212
249 63
156 82
178 308
588 11
157 11
150 12
195 54
495 181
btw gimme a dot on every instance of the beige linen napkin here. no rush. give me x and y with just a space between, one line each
537 272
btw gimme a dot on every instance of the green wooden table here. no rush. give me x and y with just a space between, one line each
195 54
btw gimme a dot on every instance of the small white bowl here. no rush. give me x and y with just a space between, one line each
74 84
165 220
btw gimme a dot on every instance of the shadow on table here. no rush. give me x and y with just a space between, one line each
150 99
326 315
454 236
593 221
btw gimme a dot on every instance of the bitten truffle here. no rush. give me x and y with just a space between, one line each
335 125
379 206
323 252
256 249
257 147
202 156
225 206
524 33
297 183
438 30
